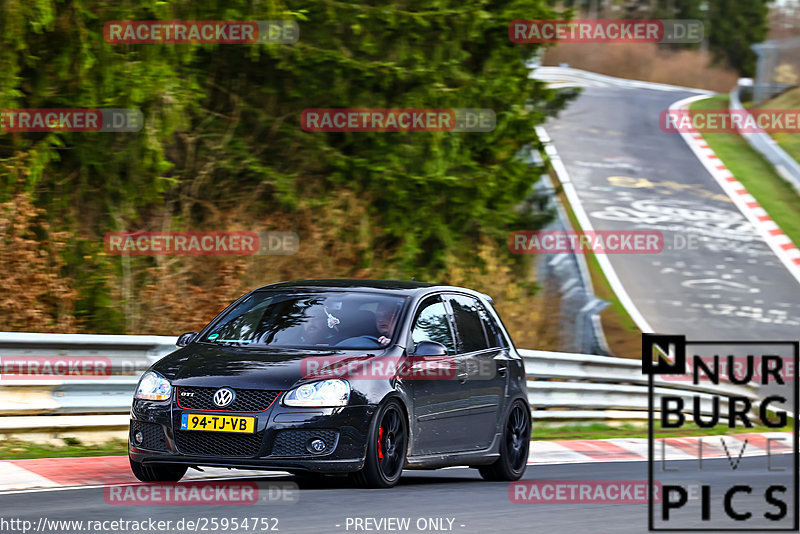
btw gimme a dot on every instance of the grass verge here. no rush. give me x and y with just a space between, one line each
15 449
756 174
634 430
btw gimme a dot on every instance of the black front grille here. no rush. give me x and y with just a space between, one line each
293 442
153 437
234 445
246 400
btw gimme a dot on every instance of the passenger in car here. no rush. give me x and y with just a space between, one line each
386 320
315 330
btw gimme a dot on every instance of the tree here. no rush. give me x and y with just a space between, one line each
222 141
733 27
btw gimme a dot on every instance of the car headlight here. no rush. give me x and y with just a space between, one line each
325 393
153 387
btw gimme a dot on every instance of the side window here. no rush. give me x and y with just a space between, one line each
469 324
493 331
431 324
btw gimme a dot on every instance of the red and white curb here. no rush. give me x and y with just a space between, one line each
779 242
93 471
636 449
54 473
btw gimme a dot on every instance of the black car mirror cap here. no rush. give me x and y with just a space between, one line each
185 339
430 348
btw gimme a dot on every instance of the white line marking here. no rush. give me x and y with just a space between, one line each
586 225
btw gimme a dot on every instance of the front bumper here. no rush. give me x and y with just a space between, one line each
279 443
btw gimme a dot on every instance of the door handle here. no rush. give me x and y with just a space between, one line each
462 377
502 370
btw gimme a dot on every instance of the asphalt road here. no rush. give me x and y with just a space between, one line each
716 279
474 506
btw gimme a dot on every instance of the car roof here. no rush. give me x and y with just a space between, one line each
400 287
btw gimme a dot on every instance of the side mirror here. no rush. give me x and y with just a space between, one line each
430 348
185 339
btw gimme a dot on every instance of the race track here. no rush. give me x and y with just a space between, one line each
716 277
474 506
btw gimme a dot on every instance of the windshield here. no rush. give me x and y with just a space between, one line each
311 320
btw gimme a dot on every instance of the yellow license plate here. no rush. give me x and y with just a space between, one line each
218 423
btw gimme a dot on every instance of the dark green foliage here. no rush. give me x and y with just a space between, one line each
222 124
734 26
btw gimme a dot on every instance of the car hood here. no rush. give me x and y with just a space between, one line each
267 368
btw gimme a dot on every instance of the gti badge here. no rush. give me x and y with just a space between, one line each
224 397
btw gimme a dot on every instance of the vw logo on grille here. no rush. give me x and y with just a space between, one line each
224 397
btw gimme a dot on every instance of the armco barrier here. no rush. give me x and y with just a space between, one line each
59 406
566 386
126 354
580 327
561 386
784 164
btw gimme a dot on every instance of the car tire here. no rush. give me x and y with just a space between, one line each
158 472
514 446
387 444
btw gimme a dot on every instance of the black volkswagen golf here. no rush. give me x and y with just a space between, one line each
366 377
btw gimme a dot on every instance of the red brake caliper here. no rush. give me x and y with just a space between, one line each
380 438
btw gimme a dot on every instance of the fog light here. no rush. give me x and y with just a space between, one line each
316 446
138 437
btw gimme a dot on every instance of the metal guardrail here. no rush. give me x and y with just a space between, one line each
784 164
580 326
124 355
55 404
564 386
561 386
